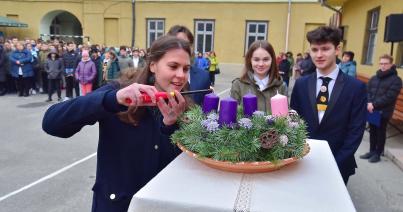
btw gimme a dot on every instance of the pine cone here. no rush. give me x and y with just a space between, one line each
268 139
185 119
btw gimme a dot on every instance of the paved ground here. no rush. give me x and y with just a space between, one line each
40 173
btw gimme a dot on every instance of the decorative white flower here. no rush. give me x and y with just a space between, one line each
258 113
205 122
283 140
212 126
270 119
293 124
212 117
245 123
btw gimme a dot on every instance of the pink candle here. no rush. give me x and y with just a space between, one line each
279 105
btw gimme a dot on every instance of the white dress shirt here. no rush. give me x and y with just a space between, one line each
330 87
135 62
262 83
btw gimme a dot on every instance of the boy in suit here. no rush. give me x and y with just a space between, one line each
332 103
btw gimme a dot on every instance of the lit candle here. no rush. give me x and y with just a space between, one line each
210 103
249 104
228 110
279 105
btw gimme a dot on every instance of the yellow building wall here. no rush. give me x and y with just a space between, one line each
355 18
109 22
32 12
230 22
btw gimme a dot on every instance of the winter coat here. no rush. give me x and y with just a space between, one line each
125 62
3 65
213 63
113 70
284 67
349 68
242 87
201 63
71 59
383 90
99 68
25 58
85 71
43 57
54 68
128 156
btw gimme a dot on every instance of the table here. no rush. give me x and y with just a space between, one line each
311 184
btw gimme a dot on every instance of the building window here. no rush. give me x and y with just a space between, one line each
255 30
370 36
155 29
204 30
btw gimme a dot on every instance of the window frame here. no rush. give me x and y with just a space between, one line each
257 34
156 30
204 33
371 35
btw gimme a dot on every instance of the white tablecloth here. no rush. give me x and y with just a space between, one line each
311 184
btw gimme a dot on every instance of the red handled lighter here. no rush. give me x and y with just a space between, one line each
164 95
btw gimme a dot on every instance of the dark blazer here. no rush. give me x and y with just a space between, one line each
199 79
128 156
343 123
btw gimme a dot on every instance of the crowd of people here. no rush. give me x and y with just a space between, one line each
134 139
36 66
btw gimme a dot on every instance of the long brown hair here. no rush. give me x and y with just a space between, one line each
273 71
157 51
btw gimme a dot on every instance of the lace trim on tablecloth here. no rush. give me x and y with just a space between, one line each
244 196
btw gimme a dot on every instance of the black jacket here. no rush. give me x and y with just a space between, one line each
284 67
383 89
71 59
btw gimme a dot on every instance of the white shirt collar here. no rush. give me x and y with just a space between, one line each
332 74
262 83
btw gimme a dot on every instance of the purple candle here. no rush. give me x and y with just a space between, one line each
228 110
210 103
249 104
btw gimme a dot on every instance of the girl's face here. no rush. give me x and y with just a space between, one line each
261 62
172 70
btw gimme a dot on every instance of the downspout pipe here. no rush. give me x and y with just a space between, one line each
133 22
287 35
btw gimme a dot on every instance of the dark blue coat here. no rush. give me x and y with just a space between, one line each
199 79
25 59
128 156
343 124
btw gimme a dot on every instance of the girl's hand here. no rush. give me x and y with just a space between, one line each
133 93
173 109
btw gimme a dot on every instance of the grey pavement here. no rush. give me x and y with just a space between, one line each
27 154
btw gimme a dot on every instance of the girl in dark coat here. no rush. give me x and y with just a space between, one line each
383 90
54 67
134 138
